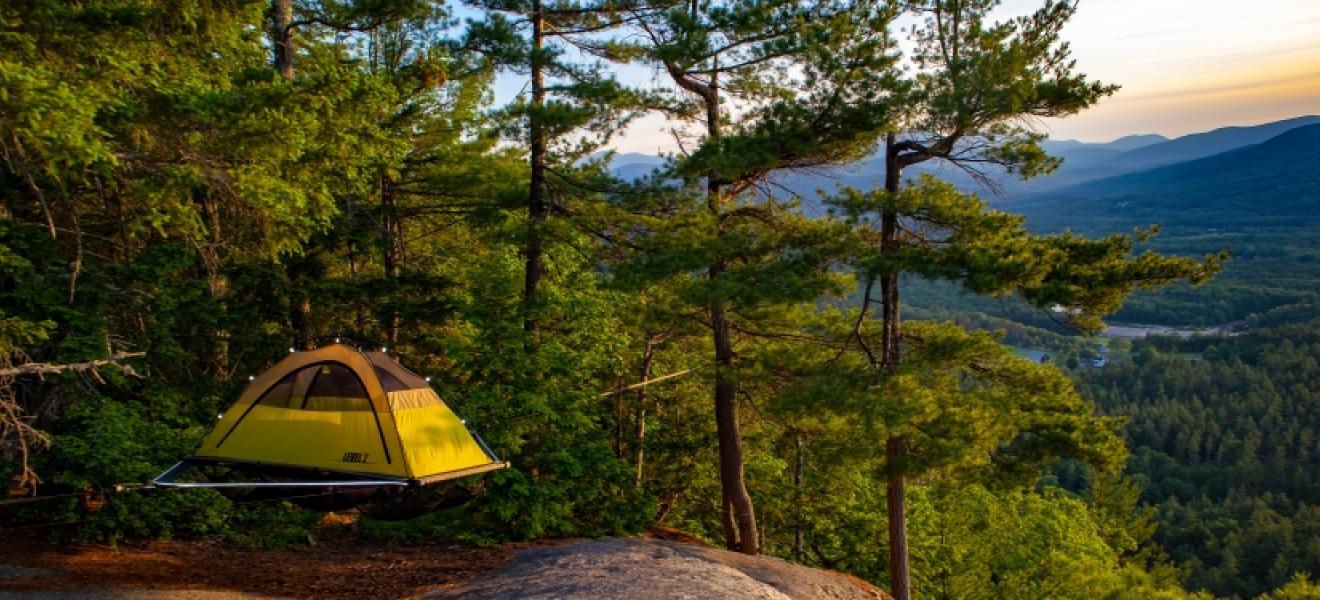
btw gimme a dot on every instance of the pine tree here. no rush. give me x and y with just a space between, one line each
571 108
975 85
811 85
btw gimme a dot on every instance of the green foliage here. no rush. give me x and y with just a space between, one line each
972 542
992 253
1223 448
1298 588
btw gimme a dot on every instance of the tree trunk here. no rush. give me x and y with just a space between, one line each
639 415
800 526
282 48
217 286
75 265
281 37
899 572
393 254
740 529
300 312
121 222
537 207
13 156
740 520
899 569
620 425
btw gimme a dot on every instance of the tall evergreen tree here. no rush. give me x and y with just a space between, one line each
943 398
976 87
315 21
773 87
572 105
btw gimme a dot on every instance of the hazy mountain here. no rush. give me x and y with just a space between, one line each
635 165
1270 184
635 158
1123 144
1200 145
1084 162
1132 142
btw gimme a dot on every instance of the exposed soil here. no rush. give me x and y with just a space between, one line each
332 569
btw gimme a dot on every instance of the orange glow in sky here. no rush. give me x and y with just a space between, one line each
1192 65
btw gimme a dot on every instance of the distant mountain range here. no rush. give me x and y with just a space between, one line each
1201 145
1274 183
1257 176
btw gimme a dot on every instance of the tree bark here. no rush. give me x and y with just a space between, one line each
740 518
800 526
13 154
282 48
895 496
300 313
393 253
538 209
620 424
639 414
217 285
281 37
75 265
899 567
741 533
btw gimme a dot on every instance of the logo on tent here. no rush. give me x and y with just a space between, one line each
355 457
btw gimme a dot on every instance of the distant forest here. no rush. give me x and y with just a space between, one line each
1223 433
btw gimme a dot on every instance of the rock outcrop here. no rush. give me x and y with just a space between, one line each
645 569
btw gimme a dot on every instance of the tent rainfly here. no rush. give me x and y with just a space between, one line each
358 418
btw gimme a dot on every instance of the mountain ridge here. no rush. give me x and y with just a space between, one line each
1210 143
1270 184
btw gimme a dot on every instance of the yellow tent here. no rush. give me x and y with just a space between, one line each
343 411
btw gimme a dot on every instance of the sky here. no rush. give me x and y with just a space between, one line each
1185 66
1192 65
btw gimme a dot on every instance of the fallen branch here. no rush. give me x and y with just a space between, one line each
40 369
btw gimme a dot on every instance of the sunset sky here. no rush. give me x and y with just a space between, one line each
1185 66
1192 65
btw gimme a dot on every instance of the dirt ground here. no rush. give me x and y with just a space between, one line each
331 569
660 565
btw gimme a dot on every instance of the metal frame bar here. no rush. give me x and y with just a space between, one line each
484 447
283 484
166 480
495 466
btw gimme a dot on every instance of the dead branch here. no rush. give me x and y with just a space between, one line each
40 369
18 437
645 383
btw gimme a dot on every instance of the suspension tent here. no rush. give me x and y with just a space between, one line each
339 417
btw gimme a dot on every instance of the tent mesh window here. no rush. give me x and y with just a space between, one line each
393 376
324 386
389 381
